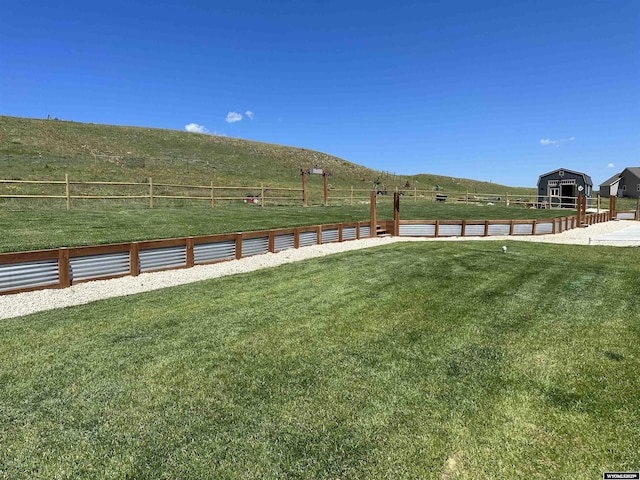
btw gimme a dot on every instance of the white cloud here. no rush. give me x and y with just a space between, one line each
195 128
233 117
548 141
249 114
611 165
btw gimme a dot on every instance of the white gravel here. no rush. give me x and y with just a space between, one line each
610 233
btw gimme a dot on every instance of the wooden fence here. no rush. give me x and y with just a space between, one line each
62 267
486 228
148 191
462 228
349 196
504 198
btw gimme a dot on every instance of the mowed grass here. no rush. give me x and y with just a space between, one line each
420 360
25 230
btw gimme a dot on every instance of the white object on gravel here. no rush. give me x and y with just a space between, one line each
25 303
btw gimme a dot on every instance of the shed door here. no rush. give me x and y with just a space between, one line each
568 191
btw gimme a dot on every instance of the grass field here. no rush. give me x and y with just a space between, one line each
426 360
38 229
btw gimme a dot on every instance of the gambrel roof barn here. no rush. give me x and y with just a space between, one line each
560 187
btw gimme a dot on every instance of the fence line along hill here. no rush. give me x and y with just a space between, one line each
49 149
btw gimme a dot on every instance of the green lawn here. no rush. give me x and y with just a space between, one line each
39 229
422 360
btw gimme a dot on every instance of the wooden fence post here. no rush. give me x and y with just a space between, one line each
396 214
150 192
213 198
612 207
190 260
262 194
272 241
372 220
134 259
304 189
238 246
64 276
67 190
351 196
326 189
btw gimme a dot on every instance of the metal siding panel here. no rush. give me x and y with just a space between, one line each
523 229
96 266
450 230
283 242
158 258
332 235
473 230
28 275
365 232
542 228
255 246
499 229
214 251
417 230
308 238
348 233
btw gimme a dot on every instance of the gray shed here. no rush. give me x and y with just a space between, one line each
560 187
623 184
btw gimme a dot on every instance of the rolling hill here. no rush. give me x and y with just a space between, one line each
49 149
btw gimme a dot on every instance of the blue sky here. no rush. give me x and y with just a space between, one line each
498 91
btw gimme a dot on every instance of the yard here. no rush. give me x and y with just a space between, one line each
52 228
425 360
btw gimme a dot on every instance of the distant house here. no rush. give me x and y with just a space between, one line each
623 184
557 188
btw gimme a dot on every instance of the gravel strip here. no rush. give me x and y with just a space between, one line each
20 304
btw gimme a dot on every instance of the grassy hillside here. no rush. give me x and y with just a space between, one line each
47 149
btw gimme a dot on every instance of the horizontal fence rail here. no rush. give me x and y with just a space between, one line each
63 267
149 192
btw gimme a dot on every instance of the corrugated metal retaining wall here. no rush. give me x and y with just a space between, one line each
487 228
63 267
629 215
